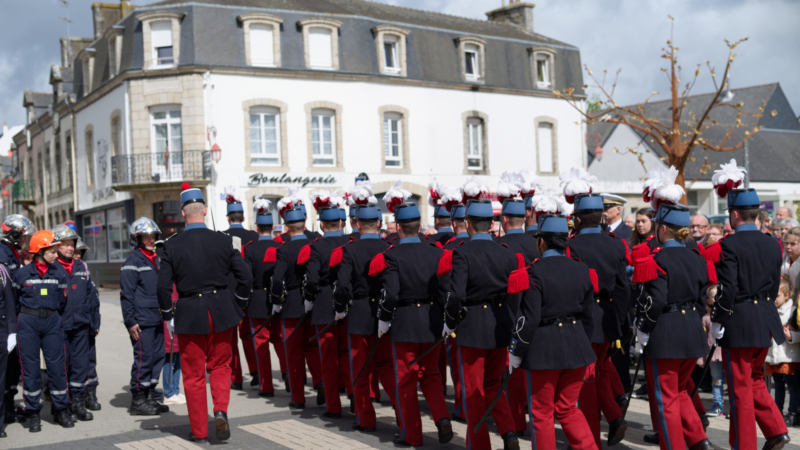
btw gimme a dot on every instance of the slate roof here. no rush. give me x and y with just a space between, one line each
41 101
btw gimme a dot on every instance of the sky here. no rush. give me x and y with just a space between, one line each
611 34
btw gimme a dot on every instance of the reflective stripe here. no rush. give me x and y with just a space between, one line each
138 269
144 383
92 380
64 392
34 393
63 285
74 384
154 381
35 281
79 274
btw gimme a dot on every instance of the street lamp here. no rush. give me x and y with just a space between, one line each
598 151
216 153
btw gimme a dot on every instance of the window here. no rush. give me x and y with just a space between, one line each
118 244
161 36
116 135
542 59
69 162
89 159
391 43
543 72
390 54
86 57
471 58
261 45
471 61
94 235
167 131
39 172
545 147
474 144
693 202
392 137
262 39
265 140
323 139
319 40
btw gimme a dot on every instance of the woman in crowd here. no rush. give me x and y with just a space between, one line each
643 228
791 250
713 234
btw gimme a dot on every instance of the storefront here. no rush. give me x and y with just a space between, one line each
105 231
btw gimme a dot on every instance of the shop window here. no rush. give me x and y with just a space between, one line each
94 234
118 238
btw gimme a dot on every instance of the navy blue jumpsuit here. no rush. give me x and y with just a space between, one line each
9 367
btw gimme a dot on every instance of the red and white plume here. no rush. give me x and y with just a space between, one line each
667 191
727 178
395 196
452 197
528 183
473 189
508 186
654 178
321 199
337 200
362 193
576 182
261 206
232 194
290 201
547 202
436 193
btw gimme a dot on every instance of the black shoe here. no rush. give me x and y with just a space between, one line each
704 421
196 439
63 417
296 405
285 377
36 423
91 400
651 438
266 394
520 433
702 445
254 381
331 415
151 399
641 393
352 403
320 393
790 419
623 403
79 408
358 427
616 431
510 441
140 406
445 428
223 429
776 442
399 441
236 386
72 414
342 391
458 419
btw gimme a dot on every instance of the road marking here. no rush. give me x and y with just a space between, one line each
164 443
297 435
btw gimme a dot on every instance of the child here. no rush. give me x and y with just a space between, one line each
715 366
782 360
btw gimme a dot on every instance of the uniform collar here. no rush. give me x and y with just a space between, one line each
463 235
298 237
615 225
370 236
593 230
515 231
236 225
747 227
410 240
265 237
673 243
481 237
195 226
445 230
333 233
552 252
532 228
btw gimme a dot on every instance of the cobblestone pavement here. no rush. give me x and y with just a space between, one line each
259 423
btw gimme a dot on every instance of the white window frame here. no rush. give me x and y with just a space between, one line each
474 144
392 140
537 122
548 56
114 38
542 71
317 121
87 69
329 24
391 34
391 51
471 62
262 112
175 169
248 20
159 27
471 47
150 53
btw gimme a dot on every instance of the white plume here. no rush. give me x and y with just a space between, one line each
576 182
436 192
508 187
232 194
547 202
728 177
474 189
337 199
320 198
291 200
667 191
654 179
529 183
372 199
395 196
452 197
261 206
362 192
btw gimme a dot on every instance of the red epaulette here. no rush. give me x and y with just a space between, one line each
450 240
595 281
271 255
650 238
713 252
245 245
519 280
304 255
627 252
278 239
446 262
337 253
611 233
439 244
378 263
647 269
640 251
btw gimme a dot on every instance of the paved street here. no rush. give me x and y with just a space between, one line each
256 422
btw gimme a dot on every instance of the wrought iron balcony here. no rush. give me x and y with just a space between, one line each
148 170
24 191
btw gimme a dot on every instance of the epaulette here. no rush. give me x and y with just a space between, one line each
611 233
713 252
595 281
305 254
278 239
378 263
271 256
640 251
245 245
446 261
627 252
337 253
439 244
519 280
646 269
450 240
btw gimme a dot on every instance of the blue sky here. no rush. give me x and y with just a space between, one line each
610 34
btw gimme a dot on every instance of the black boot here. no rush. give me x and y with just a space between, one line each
320 393
510 441
254 381
790 419
445 428
623 403
704 421
776 442
295 405
651 438
91 400
285 377
79 407
616 431
72 414
236 386
705 444
223 429
196 439
64 418
352 398
36 423
358 427
140 406
151 399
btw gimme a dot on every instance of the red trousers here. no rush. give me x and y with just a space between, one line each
246 335
268 334
613 377
596 394
201 353
679 425
481 374
374 387
455 376
336 364
555 392
299 352
750 400
696 402
426 373
380 367
516 396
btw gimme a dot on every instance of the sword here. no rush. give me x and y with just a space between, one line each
633 384
263 324
302 318
623 345
371 352
171 347
428 350
500 391
327 327
705 369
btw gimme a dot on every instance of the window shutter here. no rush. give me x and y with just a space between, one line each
545 147
319 43
261 47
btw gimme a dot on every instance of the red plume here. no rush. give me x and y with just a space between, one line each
519 280
185 186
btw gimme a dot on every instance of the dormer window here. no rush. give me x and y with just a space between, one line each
471 62
162 44
542 60
543 72
391 45
471 57
262 39
391 61
321 38
161 31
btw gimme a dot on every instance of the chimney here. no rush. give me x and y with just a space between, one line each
57 82
517 13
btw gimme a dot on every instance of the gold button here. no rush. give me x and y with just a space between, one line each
561 324
373 300
499 304
573 322
485 306
215 292
200 295
694 309
755 302
417 305
683 312
611 299
598 300
431 303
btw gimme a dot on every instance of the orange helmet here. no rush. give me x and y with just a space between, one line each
42 240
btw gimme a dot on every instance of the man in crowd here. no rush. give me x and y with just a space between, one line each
783 213
698 227
612 211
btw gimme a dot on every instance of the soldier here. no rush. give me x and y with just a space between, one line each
551 338
459 226
320 279
443 224
480 286
76 319
529 184
530 220
287 299
94 329
198 262
290 201
608 257
138 281
42 292
17 231
260 255
235 215
744 318
412 308
613 206
675 280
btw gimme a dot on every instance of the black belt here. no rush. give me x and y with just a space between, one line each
365 299
403 303
556 320
499 299
750 298
259 287
41 313
204 290
675 307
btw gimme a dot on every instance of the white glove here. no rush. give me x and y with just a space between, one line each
641 341
340 315
513 362
717 331
446 331
276 309
383 327
171 327
309 305
12 341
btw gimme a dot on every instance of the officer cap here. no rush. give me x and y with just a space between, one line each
674 215
743 199
191 195
513 208
296 214
329 213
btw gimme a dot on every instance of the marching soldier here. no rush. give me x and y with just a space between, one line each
356 233
42 292
198 262
261 257
235 216
744 318
77 319
287 299
675 283
481 282
551 338
140 314
293 200
457 217
94 329
320 281
357 296
443 224
412 309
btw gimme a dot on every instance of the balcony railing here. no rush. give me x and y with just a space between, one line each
149 168
24 191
